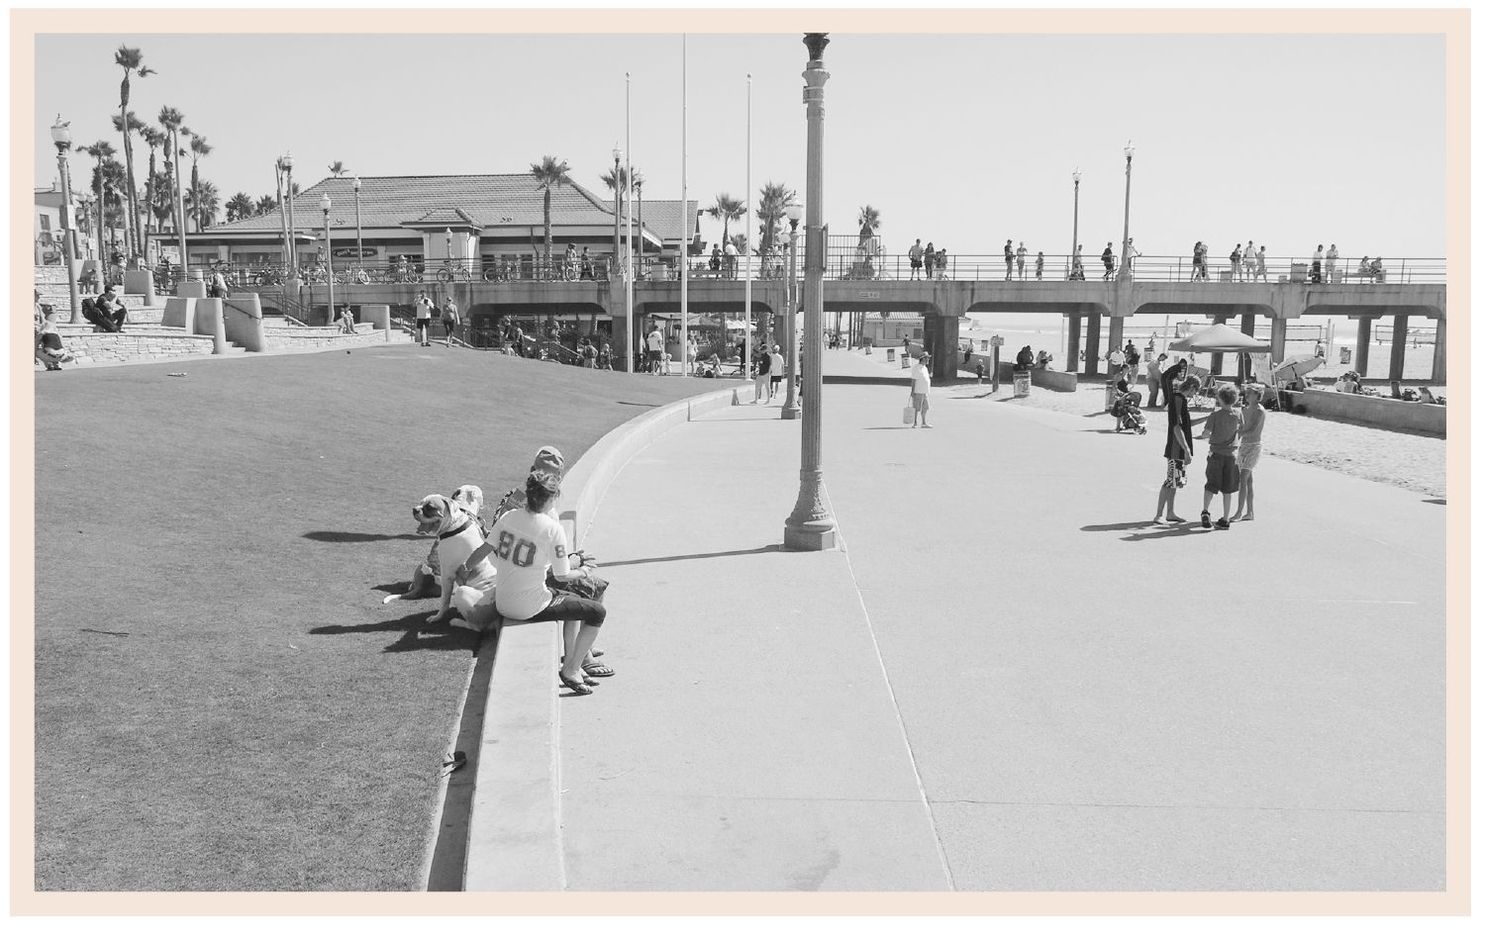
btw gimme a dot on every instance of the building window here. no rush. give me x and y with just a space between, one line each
46 222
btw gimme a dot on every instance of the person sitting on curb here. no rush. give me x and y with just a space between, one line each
106 312
49 350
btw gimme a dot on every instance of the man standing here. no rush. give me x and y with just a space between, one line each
1108 261
1153 373
424 307
1041 261
1234 261
1129 254
655 344
775 372
1315 260
450 321
730 251
762 361
1331 256
1021 260
1010 256
1250 263
915 258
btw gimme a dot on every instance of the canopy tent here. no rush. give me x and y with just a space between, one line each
1218 339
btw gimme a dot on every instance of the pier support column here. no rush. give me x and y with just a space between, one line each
1363 344
1090 362
1399 346
1074 335
1217 355
1278 327
1116 333
1440 355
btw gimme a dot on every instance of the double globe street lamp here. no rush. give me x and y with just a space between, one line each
791 329
329 263
62 139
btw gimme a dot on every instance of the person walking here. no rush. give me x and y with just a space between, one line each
1041 261
918 394
1077 264
1250 263
1315 260
1222 428
1195 262
1234 261
655 349
1262 260
915 258
1331 256
1021 260
1177 450
762 360
449 320
1250 447
1010 256
929 259
424 307
1108 261
1154 369
775 372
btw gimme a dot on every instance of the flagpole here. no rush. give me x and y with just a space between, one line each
748 242
629 222
685 227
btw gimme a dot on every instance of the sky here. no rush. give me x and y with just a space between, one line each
963 140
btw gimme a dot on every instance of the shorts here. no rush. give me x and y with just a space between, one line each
1175 474
916 264
920 402
1222 474
1247 455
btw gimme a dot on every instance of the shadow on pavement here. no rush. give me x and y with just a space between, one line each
884 428
1166 532
1112 527
1436 500
333 536
714 555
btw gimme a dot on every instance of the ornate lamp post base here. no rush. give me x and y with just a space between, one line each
810 528
790 412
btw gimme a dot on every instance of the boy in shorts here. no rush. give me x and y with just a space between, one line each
1222 471
1177 448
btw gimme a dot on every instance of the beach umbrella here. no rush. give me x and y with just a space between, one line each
1291 369
1218 338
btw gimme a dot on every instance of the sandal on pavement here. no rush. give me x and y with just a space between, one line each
1222 524
1175 519
598 669
1206 520
576 685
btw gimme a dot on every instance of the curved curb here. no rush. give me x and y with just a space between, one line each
514 838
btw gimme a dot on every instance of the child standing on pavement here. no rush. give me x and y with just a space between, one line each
1222 429
1177 448
1250 446
922 383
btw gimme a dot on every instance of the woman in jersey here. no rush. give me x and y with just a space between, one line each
525 545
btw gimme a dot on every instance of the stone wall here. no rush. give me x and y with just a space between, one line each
126 346
1382 412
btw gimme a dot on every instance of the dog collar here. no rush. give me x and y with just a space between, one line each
457 530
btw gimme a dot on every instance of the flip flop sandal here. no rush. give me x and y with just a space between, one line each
577 686
1206 520
598 669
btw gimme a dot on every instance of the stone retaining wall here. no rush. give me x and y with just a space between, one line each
101 348
1382 412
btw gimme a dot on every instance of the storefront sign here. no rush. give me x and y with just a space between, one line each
351 252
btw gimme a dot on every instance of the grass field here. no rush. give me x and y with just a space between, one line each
222 700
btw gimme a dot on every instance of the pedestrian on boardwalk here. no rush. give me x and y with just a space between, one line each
1010 256
1177 449
449 320
1202 250
729 251
1234 261
1263 263
1315 260
655 348
1331 256
1108 261
1041 261
775 372
1173 377
918 395
1250 263
606 357
1021 260
424 307
529 550
761 362
1222 428
1129 254
1250 447
941 261
1154 371
915 258
1195 262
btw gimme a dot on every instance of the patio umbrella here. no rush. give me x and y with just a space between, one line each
1291 369
1218 338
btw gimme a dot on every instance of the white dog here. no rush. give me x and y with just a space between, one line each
425 574
459 534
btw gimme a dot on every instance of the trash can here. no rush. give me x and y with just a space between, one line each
1345 355
890 353
1022 381
1109 393
906 362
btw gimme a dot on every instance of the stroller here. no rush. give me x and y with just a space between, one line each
1127 414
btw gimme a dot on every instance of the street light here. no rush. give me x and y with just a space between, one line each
356 184
811 526
62 138
329 262
613 263
1072 264
278 180
288 164
791 402
448 245
1128 171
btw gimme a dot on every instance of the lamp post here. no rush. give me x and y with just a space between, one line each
288 164
791 373
811 526
629 231
356 185
1128 171
329 262
62 138
1077 178
283 216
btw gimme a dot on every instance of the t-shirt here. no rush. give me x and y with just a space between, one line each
655 340
425 309
450 311
915 252
526 546
1223 426
1252 431
775 364
922 380
1178 419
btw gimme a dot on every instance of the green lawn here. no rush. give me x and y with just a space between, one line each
222 700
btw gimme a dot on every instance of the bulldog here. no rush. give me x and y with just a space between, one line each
459 534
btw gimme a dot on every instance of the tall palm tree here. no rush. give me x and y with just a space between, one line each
239 206
205 201
549 173
337 169
619 180
154 138
265 204
199 148
162 204
773 200
131 61
172 121
99 151
726 209
128 123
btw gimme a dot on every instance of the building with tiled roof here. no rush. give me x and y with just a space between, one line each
474 217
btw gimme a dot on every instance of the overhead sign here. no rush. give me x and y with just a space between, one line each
865 294
350 252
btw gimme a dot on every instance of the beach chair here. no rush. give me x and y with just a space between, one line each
1206 394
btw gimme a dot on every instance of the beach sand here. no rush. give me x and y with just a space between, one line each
1405 460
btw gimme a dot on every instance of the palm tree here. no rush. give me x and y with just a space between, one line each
773 200
337 169
100 151
205 201
726 209
129 124
199 148
154 138
616 181
172 121
130 60
548 173
265 204
239 206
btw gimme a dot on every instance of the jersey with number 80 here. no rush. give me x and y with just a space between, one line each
525 546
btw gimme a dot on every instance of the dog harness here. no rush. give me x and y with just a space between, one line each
457 530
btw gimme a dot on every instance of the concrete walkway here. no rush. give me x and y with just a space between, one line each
1005 680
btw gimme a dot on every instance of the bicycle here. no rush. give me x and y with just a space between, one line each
451 271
